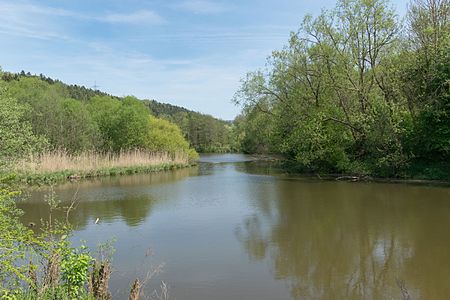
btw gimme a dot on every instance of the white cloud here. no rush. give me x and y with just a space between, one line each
203 6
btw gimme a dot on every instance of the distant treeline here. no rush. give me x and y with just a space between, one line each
77 118
204 132
357 90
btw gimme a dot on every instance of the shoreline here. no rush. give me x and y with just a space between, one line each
49 178
351 177
364 178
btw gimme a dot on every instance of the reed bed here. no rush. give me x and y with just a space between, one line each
55 166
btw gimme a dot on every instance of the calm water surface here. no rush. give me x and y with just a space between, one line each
234 229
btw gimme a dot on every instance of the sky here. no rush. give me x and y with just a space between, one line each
190 53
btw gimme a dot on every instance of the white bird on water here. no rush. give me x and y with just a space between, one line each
97 220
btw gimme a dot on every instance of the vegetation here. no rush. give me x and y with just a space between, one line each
64 103
16 135
356 91
204 132
46 135
56 166
22 253
44 264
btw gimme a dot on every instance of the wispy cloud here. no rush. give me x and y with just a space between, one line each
25 18
31 21
190 61
203 6
137 17
204 84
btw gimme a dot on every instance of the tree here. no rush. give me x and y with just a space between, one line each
79 131
331 95
164 136
123 124
16 136
426 78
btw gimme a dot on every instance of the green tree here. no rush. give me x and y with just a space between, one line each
164 136
123 124
64 122
16 136
331 99
426 76
104 111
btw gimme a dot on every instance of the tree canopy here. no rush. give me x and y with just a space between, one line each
355 90
38 113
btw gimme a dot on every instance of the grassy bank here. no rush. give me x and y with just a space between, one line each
57 166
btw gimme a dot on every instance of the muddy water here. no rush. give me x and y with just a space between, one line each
235 229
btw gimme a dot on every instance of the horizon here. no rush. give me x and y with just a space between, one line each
188 53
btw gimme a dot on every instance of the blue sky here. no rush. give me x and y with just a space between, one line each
190 53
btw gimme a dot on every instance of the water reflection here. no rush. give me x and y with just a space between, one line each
239 229
332 240
127 198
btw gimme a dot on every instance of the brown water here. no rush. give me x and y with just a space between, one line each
230 229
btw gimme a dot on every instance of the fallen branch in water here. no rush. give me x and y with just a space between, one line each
348 178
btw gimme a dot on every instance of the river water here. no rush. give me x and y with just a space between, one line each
233 228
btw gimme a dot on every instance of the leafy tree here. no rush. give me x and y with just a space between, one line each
425 76
104 111
16 136
346 95
123 124
64 122
205 133
79 131
131 126
164 136
14 240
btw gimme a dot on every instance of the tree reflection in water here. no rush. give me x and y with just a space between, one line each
335 240
127 197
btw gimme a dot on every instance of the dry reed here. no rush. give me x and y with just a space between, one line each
56 161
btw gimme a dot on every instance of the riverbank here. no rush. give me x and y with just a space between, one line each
414 174
54 167
418 172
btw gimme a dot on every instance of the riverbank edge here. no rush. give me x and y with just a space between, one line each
50 178
365 178
417 174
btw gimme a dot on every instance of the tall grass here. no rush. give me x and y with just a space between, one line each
60 160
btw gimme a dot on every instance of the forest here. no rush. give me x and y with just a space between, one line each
357 89
41 114
76 118
204 132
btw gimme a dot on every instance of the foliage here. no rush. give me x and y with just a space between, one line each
63 121
426 80
351 94
50 248
38 114
75 265
165 136
16 136
204 133
15 240
58 112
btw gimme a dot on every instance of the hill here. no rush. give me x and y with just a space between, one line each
205 133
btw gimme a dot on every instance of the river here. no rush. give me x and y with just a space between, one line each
233 228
